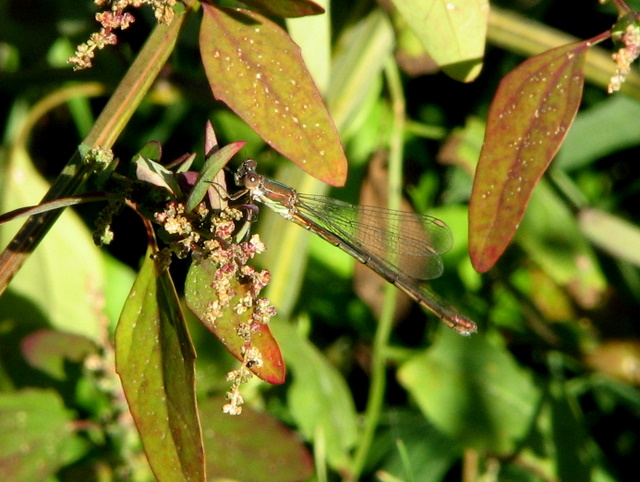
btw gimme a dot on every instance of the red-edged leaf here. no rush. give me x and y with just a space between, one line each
528 119
155 361
285 8
256 69
200 295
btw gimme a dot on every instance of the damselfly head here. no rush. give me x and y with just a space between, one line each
246 175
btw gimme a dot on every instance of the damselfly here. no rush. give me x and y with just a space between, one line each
367 233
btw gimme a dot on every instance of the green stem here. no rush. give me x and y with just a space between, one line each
524 36
385 324
104 133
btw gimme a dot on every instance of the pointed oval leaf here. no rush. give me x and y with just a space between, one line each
256 69
199 295
452 32
473 391
529 117
155 361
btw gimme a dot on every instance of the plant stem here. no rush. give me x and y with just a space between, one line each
104 133
524 36
381 341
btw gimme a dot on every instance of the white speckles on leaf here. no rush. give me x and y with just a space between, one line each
276 81
528 119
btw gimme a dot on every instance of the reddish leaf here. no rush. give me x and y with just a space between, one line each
254 446
48 350
256 69
285 8
199 295
155 361
528 119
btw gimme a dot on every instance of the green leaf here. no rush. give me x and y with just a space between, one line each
318 398
414 449
37 435
150 171
313 35
62 277
357 68
285 8
257 70
550 234
152 151
252 446
616 236
529 117
452 32
587 141
214 163
155 361
473 391
200 295
574 454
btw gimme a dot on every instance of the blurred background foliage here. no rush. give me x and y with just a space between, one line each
548 388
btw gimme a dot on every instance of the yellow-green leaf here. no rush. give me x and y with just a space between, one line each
452 32
62 277
472 390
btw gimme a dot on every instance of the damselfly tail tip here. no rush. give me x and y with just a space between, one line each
463 325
